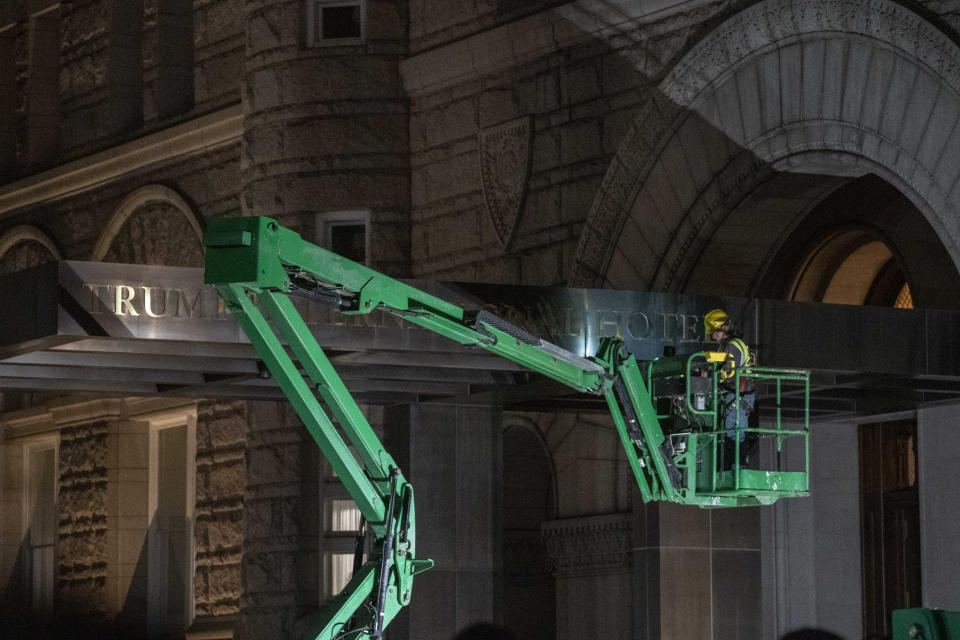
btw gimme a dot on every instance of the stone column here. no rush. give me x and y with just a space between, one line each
127 520
591 559
221 483
811 546
125 65
11 525
275 552
697 573
43 88
325 124
452 456
8 99
939 466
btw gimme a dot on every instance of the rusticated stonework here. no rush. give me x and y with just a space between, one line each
772 81
23 255
219 533
82 502
589 546
156 233
505 171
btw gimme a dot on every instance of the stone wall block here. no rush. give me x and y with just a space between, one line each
538 94
505 269
341 77
214 22
542 267
274 465
265 29
223 480
228 431
263 90
432 18
615 128
576 198
453 177
386 20
581 141
225 582
300 193
496 106
222 534
357 134
217 77
454 120
542 211
580 83
546 150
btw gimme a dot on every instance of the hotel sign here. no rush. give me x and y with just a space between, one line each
172 303
66 301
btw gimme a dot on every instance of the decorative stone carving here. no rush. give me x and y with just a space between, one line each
505 171
589 546
740 41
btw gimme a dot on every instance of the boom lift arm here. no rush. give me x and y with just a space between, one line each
257 256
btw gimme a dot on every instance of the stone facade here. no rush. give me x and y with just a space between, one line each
82 539
637 145
220 516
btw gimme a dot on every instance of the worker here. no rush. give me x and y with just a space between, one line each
719 328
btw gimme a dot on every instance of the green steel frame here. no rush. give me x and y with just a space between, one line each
255 264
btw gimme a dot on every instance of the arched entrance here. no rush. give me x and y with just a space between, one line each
780 106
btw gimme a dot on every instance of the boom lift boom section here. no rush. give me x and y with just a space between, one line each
675 454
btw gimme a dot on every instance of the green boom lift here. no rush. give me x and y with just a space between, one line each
667 417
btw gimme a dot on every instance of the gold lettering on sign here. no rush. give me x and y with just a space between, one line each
608 323
183 304
691 328
96 306
638 325
124 300
148 298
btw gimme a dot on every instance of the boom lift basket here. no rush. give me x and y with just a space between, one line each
688 393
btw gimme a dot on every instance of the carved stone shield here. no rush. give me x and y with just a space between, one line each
504 172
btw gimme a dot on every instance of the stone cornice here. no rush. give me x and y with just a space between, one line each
529 38
195 136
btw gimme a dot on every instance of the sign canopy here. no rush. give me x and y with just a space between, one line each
145 330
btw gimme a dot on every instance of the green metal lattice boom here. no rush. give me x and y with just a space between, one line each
675 456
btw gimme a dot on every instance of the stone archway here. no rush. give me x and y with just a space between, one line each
23 246
153 225
782 91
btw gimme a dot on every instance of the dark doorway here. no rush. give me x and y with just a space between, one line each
529 593
890 522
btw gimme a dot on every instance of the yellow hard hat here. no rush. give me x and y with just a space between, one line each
714 320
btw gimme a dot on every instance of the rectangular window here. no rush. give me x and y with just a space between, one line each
344 516
40 521
344 233
170 534
339 572
336 22
341 522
